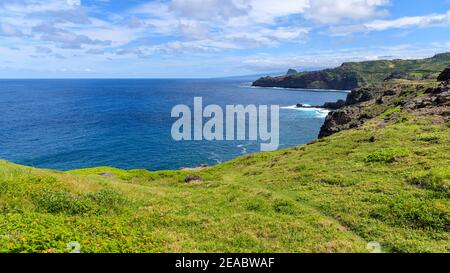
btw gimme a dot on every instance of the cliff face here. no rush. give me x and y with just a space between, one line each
327 79
388 100
357 74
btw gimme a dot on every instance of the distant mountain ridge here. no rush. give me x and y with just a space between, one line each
352 75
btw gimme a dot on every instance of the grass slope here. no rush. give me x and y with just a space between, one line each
385 182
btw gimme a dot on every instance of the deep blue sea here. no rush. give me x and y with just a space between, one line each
70 124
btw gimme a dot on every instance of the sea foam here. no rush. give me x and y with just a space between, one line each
316 112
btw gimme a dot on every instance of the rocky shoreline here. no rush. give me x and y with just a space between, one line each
363 104
327 105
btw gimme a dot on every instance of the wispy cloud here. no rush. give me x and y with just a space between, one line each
77 33
399 23
333 58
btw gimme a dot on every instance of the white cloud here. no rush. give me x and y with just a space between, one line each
208 9
408 22
9 30
334 11
267 11
334 58
193 29
74 2
31 6
399 23
215 25
70 31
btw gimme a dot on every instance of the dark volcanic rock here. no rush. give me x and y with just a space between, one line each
359 95
193 178
340 120
398 75
314 80
445 75
327 105
291 72
366 103
389 93
334 105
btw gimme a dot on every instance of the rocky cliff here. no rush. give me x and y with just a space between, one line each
358 74
388 99
339 79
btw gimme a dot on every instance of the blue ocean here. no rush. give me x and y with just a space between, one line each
71 124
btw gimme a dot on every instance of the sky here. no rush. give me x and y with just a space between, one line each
211 38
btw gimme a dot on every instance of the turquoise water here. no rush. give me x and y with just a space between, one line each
70 124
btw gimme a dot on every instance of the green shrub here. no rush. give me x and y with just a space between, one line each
385 156
415 213
107 199
435 180
39 180
429 137
103 201
391 111
337 181
60 202
284 206
255 205
3 187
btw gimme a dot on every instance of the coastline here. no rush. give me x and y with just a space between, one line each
330 193
301 89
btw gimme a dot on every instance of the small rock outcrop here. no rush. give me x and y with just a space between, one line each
445 75
107 175
291 72
334 105
436 97
196 169
359 95
327 105
342 119
193 179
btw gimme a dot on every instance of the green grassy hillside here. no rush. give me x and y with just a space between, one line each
357 74
387 181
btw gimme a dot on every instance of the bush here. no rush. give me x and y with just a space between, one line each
40 180
416 214
435 180
3 187
391 111
385 156
284 206
429 137
69 203
255 205
107 199
60 202
337 181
